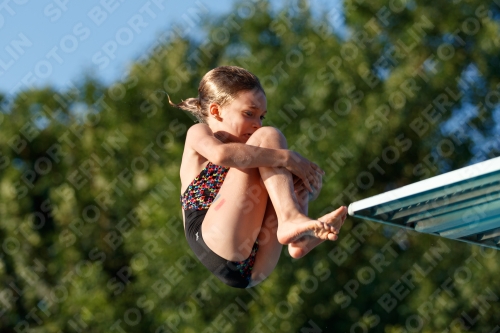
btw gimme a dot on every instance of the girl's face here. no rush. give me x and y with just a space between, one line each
239 119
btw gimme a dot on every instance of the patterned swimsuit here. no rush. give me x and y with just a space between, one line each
196 200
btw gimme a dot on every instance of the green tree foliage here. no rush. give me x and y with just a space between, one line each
91 232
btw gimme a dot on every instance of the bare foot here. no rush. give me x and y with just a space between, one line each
292 231
301 246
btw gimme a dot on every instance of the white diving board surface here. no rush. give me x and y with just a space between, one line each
463 204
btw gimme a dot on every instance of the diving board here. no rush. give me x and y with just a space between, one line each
463 204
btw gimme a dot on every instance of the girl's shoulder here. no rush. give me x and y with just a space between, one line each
201 140
195 136
198 131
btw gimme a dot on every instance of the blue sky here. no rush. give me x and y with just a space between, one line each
54 42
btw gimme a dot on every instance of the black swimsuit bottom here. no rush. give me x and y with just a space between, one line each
233 273
196 201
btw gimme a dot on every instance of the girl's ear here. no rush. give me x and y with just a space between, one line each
214 111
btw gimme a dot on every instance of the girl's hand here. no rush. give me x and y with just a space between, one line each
301 190
308 172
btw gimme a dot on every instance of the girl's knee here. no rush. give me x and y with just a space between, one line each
268 136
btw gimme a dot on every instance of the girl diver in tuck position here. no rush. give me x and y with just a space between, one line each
244 193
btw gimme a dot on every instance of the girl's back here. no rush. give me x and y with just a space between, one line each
192 162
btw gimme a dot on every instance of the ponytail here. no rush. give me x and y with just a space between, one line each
191 105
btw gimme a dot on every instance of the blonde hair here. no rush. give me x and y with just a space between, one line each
221 85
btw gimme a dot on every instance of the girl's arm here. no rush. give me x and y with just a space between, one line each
239 155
